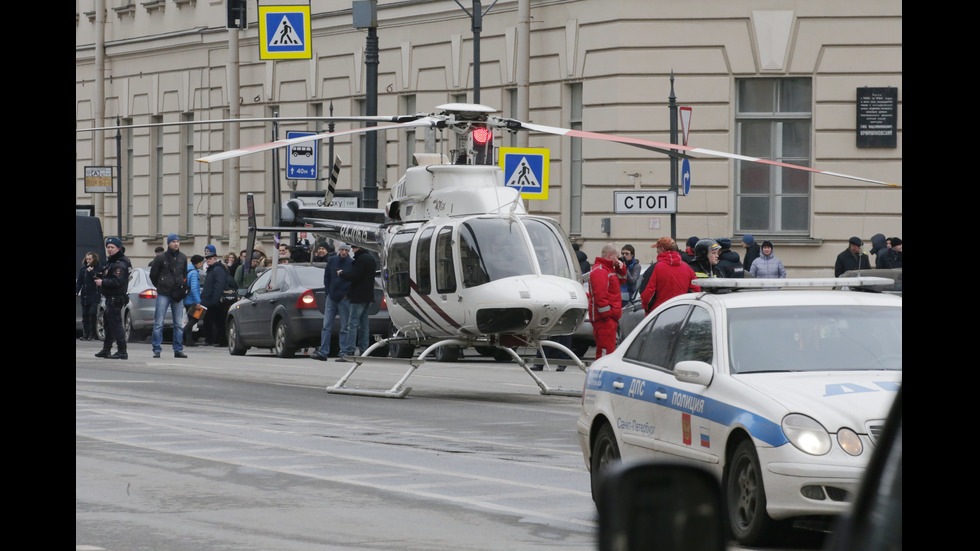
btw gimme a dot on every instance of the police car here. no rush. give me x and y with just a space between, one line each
780 393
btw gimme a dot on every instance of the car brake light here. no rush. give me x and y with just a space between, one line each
149 293
384 303
306 300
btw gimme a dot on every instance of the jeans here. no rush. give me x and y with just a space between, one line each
163 304
331 310
359 327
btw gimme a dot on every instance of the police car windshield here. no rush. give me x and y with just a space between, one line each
814 338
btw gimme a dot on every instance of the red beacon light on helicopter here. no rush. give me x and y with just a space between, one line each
482 145
482 135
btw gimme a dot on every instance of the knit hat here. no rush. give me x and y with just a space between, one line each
725 242
197 258
343 246
748 239
210 251
172 237
692 241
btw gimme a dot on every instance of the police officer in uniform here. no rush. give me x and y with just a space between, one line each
114 282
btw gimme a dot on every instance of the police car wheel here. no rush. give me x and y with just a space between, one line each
604 452
747 497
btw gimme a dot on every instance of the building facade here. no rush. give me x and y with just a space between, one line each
777 79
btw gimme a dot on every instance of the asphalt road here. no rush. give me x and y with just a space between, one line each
222 452
218 452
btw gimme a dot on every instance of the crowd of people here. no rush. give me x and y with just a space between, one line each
193 291
614 278
202 288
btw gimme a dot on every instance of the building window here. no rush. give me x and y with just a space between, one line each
156 175
575 167
187 174
511 95
773 121
408 107
126 181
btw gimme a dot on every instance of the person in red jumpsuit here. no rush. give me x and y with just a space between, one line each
605 301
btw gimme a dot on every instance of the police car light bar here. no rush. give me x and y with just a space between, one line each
752 283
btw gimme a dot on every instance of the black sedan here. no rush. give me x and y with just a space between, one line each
288 315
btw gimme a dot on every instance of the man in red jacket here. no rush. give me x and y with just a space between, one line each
670 276
605 301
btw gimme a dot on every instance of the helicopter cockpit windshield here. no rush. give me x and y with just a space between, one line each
551 248
496 248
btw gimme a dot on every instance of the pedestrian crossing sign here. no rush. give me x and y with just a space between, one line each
284 32
526 169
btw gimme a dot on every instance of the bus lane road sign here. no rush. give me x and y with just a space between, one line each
284 32
301 159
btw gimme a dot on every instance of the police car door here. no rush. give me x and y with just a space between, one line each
639 379
683 413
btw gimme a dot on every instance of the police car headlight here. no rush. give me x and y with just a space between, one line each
806 434
849 441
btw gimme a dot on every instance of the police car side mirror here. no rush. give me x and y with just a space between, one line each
663 506
692 371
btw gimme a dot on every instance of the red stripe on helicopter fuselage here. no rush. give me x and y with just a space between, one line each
435 308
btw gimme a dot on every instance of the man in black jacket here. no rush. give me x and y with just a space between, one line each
168 272
852 258
114 282
216 280
361 278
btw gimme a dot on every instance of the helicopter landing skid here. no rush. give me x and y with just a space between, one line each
545 389
399 390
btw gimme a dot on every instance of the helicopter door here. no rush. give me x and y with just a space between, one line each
398 262
444 266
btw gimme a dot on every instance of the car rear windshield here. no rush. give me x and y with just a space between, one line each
311 277
815 338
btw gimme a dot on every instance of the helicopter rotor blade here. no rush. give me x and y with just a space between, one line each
248 150
667 147
359 118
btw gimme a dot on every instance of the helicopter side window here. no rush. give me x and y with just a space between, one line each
397 279
553 255
423 271
445 275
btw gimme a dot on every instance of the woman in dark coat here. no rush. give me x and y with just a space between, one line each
89 294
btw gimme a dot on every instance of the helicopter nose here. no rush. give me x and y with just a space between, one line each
563 304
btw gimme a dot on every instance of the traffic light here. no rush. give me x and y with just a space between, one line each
236 14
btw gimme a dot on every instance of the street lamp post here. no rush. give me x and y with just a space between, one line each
366 17
477 26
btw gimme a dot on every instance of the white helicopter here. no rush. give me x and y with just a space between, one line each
463 263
